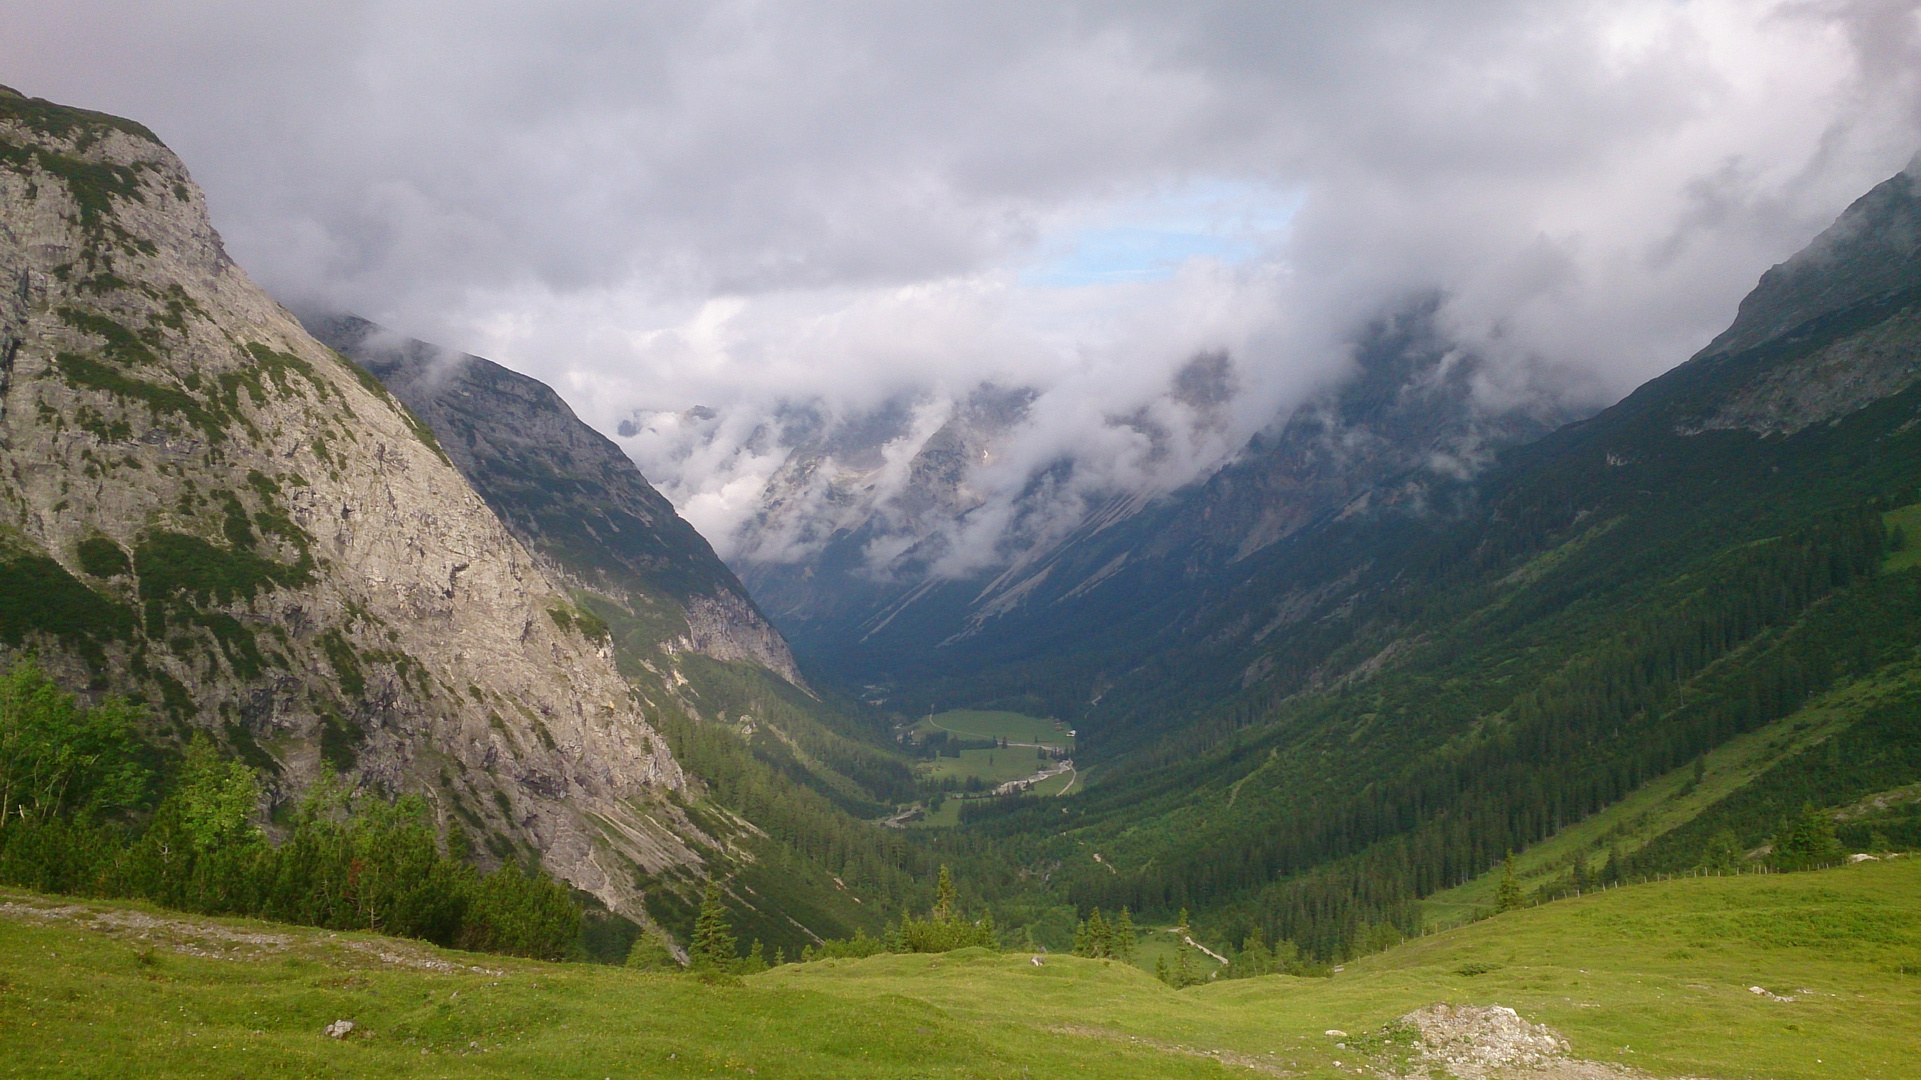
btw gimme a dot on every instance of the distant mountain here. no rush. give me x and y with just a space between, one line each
572 497
1407 430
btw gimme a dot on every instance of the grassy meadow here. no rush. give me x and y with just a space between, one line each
1657 977
986 724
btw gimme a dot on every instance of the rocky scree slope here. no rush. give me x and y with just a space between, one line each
573 498
207 509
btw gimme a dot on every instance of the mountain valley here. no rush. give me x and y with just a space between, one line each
1413 698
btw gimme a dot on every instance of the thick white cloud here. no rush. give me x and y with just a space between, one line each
762 208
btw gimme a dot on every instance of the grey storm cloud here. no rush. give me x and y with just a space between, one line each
837 208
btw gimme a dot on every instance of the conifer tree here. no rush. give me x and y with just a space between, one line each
1255 959
945 898
1124 935
713 944
1510 896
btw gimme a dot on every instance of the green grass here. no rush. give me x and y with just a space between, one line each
1654 976
1057 785
1908 520
1014 727
993 766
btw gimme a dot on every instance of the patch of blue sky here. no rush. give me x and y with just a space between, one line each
1148 239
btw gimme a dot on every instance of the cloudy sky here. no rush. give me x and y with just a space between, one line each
750 206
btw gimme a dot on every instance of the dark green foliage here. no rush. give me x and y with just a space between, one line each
123 346
59 759
87 372
38 596
712 947
176 568
339 738
860 946
1509 896
945 928
103 558
353 684
1806 842
796 816
369 865
590 626
280 367
1879 751
1099 938
649 953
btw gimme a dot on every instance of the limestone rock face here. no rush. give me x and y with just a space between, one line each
573 498
202 506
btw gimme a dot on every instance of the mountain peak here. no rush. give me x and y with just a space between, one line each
1869 253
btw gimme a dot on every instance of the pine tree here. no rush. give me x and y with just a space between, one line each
713 945
946 901
1510 896
1255 959
1124 935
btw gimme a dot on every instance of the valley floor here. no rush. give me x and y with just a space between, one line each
1781 976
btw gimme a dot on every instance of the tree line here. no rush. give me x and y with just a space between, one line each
83 813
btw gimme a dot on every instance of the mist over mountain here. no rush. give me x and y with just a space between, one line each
891 537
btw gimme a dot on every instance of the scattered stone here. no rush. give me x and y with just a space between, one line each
339 1029
1475 1042
1036 962
1766 993
1336 1033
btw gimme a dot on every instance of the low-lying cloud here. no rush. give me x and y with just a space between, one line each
795 217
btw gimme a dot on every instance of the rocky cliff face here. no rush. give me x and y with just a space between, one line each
573 499
204 507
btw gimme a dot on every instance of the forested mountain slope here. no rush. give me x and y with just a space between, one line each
1380 706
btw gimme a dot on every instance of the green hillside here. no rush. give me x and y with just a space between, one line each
1655 977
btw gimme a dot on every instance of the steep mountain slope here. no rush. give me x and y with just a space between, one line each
571 496
791 773
207 509
1381 705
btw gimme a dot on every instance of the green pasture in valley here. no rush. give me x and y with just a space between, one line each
992 766
1014 727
